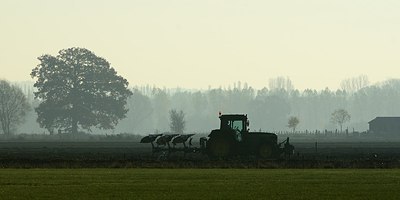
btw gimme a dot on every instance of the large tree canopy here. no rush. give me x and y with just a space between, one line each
79 90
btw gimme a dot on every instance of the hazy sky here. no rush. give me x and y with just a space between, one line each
201 43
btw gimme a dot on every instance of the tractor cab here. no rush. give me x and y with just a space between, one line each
234 123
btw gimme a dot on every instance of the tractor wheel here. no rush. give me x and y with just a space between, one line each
265 151
219 147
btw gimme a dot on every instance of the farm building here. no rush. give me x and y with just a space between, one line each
385 125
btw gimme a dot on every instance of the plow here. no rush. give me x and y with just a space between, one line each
232 139
169 143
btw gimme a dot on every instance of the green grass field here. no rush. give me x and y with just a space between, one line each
199 184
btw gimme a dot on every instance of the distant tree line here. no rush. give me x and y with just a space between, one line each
86 94
269 108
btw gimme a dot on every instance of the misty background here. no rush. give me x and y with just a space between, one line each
206 46
268 108
195 44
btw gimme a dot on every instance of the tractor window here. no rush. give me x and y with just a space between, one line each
237 125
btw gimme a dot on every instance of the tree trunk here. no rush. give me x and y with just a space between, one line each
3 122
3 126
74 126
6 125
8 132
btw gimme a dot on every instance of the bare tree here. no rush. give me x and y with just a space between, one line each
354 84
13 106
280 83
340 116
293 122
177 121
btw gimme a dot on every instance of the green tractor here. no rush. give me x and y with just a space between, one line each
234 138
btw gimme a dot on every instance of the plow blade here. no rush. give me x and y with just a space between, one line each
150 138
165 139
181 139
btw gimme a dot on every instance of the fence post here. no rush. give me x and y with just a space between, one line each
316 147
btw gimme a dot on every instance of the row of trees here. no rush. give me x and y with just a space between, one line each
202 117
268 109
79 91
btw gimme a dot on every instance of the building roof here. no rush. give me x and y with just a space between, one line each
233 116
386 119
